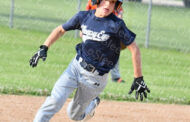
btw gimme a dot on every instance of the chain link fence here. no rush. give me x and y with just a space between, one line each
38 15
170 27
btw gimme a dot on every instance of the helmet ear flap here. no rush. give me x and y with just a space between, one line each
118 5
95 2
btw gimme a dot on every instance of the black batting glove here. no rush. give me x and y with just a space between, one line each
42 53
140 87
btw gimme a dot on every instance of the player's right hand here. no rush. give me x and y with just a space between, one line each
42 53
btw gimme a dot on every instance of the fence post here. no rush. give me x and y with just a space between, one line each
148 24
11 14
78 9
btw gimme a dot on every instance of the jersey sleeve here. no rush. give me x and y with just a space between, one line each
126 36
73 23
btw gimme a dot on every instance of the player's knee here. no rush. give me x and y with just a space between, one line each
74 114
75 117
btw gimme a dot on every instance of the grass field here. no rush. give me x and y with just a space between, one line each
170 26
166 66
167 72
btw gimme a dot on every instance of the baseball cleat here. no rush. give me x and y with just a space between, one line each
90 114
119 80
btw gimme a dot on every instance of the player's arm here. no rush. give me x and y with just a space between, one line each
55 35
72 24
120 13
138 84
42 52
136 59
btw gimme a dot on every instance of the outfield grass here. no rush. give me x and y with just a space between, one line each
167 72
170 27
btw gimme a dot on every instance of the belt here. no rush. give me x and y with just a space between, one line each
87 66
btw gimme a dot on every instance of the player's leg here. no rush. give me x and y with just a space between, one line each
115 71
83 105
84 102
115 74
90 110
51 106
61 91
76 109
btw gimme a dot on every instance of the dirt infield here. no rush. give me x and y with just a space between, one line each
23 108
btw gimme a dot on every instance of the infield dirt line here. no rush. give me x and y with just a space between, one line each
23 108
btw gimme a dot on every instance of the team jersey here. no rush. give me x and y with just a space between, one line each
101 38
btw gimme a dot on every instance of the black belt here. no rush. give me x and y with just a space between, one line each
88 67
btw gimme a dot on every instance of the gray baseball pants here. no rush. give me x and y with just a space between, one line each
89 86
115 71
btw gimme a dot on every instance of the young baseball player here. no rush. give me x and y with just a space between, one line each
96 55
115 74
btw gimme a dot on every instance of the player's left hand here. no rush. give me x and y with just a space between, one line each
140 87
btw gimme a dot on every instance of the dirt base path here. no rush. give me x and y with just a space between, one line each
23 109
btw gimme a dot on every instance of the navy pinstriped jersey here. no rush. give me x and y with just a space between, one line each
101 38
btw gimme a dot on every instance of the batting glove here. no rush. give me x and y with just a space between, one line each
42 53
140 87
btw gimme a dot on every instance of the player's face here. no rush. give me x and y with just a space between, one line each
106 7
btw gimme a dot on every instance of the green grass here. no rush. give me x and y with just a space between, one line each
38 15
166 72
170 27
166 65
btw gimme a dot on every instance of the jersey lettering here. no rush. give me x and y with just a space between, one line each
91 35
